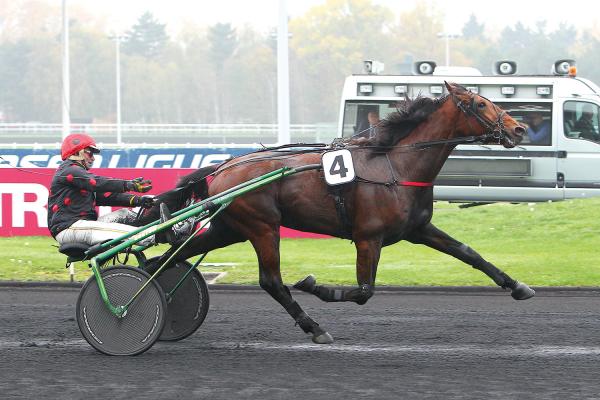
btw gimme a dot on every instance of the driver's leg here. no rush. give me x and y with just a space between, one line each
93 232
125 216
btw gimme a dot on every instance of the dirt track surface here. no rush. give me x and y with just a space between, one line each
397 346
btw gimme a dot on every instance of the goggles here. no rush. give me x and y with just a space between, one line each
90 151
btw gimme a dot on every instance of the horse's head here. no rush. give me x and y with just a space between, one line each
492 123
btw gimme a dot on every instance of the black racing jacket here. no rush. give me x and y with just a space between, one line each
75 193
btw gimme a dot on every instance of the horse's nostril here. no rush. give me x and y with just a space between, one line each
519 130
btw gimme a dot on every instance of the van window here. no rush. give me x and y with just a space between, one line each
360 116
580 120
537 117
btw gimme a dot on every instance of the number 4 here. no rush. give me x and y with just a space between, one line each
338 167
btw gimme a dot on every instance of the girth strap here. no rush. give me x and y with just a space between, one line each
342 211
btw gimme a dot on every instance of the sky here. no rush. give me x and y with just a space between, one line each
263 14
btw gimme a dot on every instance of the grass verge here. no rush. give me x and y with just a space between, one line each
543 244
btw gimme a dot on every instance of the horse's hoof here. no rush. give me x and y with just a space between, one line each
522 292
307 284
323 338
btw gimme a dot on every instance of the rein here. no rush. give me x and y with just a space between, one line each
395 183
289 151
495 131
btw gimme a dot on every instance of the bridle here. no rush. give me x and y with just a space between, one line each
495 130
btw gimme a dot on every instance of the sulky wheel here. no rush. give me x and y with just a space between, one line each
138 329
188 305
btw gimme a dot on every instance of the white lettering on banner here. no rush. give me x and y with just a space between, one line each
114 161
9 161
54 162
153 159
97 161
161 160
141 161
29 160
178 161
20 206
196 161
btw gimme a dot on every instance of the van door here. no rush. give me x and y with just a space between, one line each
579 163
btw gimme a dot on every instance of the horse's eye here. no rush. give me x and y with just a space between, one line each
481 105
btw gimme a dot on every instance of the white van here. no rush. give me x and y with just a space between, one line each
559 160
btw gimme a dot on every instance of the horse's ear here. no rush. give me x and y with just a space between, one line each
454 88
449 86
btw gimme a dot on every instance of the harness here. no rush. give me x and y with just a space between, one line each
341 210
340 204
495 131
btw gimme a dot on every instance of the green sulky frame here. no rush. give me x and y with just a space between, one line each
205 210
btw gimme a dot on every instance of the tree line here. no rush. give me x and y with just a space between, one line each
227 74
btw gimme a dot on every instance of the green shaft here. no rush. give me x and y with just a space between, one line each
146 230
172 256
222 199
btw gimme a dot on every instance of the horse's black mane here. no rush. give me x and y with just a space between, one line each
401 123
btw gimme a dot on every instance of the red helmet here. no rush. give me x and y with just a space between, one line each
76 142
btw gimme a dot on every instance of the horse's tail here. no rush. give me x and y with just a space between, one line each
195 185
189 188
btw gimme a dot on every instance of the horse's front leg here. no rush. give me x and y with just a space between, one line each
266 244
431 236
367 258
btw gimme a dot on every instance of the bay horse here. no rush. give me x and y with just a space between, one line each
390 200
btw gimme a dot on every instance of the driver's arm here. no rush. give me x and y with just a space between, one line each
82 179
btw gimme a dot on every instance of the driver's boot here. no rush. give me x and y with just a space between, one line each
178 232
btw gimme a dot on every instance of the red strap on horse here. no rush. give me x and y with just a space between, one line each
411 183
209 179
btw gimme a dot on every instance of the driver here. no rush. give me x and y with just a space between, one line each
75 192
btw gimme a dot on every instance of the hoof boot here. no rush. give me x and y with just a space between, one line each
307 284
322 338
522 292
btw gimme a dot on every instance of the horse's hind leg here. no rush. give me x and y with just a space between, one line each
266 245
431 236
368 252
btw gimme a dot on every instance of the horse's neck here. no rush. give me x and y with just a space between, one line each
424 165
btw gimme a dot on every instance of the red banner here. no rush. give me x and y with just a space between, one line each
24 197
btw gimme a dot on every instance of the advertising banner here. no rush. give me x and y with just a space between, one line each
126 158
24 195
